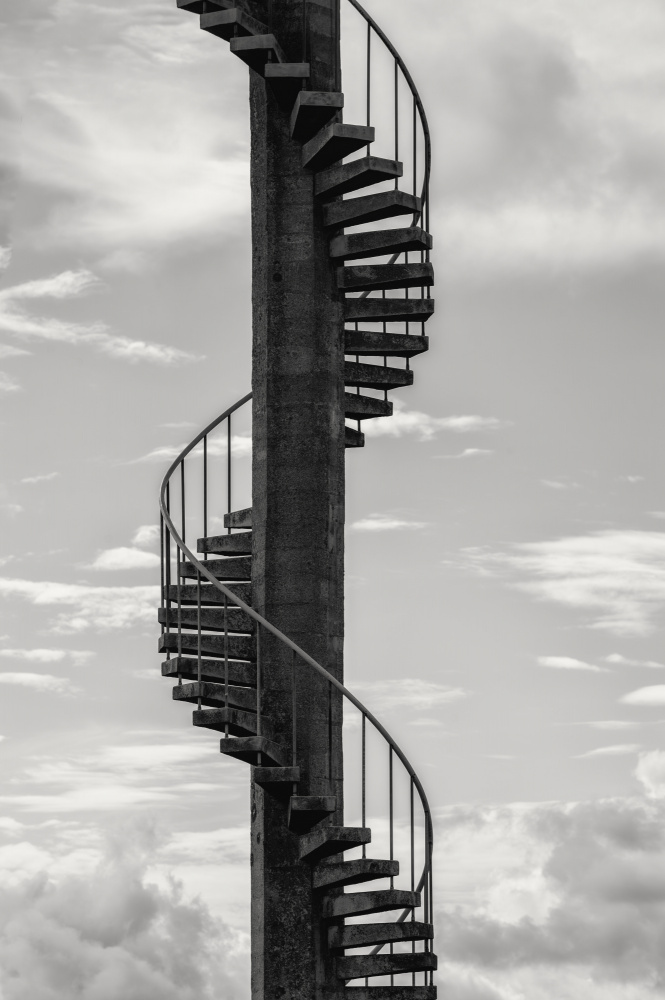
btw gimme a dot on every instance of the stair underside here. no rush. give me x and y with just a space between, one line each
353 438
201 6
255 750
240 672
370 208
347 177
305 811
376 376
376 277
227 23
339 873
360 966
237 721
187 593
231 568
363 935
379 242
236 647
357 904
233 620
357 407
239 518
215 695
277 780
312 111
376 310
333 143
375 342
257 50
331 840
239 544
391 992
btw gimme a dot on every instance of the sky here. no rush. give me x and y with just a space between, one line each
505 539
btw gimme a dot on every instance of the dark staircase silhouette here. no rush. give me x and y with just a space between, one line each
211 634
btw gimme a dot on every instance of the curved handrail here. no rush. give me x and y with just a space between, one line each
205 572
414 90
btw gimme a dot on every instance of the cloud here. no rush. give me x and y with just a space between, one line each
650 771
568 663
623 661
469 453
646 696
557 484
618 750
617 575
124 558
110 930
613 724
7 351
100 608
425 427
146 536
40 479
384 522
77 656
39 682
72 284
8 383
407 693
241 447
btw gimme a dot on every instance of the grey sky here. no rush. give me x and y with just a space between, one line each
506 558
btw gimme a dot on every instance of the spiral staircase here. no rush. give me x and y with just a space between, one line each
377 942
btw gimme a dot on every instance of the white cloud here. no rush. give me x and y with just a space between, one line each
241 447
618 750
77 656
624 661
650 771
124 558
38 682
40 479
617 575
7 351
8 383
425 427
72 284
613 724
646 696
569 663
469 453
146 536
407 693
384 522
102 608
557 484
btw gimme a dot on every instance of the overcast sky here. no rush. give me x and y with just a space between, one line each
505 530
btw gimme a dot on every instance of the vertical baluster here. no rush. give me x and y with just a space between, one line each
413 865
205 492
179 587
392 830
396 117
258 688
294 704
304 31
165 626
226 663
363 785
182 499
330 736
228 472
198 634
167 567
369 77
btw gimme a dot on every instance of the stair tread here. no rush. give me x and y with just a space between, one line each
358 407
255 49
396 310
333 143
332 840
276 71
239 544
239 721
312 110
237 647
346 177
241 673
230 568
356 904
361 374
368 277
239 518
353 438
212 694
225 23
201 6
215 619
360 966
391 992
362 935
254 750
370 208
339 873
379 242
369 342
287 776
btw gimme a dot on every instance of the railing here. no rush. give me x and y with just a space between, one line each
175 506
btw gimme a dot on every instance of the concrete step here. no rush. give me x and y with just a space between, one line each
312 111
233 568
379 242
370 208
256 50
239 647
376 376
376 342
286 80
201 6
361 966
333 143
239 723
371 277
240 673
214 695
357 407
346 177
239 518
278 781
391 992
239 544
378 310
363 935
305 811
330 840
353 438
255 750
228 24
189 593
339 873
212 619
357 904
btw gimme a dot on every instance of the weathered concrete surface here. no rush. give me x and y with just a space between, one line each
298 502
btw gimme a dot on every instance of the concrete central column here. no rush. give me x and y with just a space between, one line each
298 500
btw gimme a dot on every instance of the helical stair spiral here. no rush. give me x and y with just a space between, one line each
211 634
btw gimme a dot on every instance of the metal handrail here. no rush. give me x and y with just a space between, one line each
229 594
